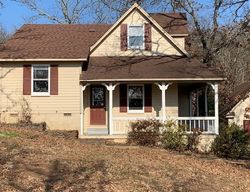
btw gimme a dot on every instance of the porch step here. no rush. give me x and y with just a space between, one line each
97 131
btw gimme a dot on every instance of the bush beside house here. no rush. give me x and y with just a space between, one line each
232 142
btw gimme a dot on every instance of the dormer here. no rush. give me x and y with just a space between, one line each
138 33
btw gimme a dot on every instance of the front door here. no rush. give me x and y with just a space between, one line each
97 105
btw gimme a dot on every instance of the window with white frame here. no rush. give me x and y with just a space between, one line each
136 36
135 98
40 80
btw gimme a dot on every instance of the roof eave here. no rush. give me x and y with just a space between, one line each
156 79
46 59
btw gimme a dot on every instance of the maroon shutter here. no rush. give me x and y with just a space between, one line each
148 97
148 38
124 39
123 98
26 79
246 126
54 79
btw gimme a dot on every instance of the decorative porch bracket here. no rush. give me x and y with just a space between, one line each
163 87
216 106
83 87
110 87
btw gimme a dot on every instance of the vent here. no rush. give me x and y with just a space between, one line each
67 114
92 30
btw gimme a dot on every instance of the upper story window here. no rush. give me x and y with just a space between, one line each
40 80
135 37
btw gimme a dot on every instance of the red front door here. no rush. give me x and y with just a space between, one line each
97 105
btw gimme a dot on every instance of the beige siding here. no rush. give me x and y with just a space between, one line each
160 45
240 112
50 109
171 106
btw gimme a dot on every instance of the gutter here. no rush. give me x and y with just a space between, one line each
166 79
18 60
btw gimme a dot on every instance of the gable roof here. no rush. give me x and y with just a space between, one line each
173 23
240 93
152 22
47 42
147 68
52 41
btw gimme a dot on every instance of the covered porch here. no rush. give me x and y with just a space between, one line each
107 108
118 90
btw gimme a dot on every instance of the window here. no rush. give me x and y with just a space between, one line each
136 37
135 98
40 80
97 97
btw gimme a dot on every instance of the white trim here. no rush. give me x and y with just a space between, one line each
144 13
143 99
143 36
163 87
179 35
135 118
48 59
82 89
216 105
110 87
196 118
32 80
160 79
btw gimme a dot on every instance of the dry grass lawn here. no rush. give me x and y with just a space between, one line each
34 161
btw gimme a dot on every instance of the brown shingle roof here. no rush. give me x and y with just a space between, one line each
58 41
173 23
155 67
240 93
53 41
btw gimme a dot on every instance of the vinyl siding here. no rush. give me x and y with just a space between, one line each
160 45
171 105
50 109
240 111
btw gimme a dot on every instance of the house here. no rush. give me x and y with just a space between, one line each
97 78
238 111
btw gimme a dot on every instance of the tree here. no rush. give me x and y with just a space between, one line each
62 11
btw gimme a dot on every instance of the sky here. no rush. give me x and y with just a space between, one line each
14 15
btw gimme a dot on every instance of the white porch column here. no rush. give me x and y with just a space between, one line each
83 87
216 106
163 87
110 87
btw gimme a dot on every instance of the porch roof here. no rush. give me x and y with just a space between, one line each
150 68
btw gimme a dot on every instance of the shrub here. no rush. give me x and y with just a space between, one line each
232 142
145 132
173 137
193 140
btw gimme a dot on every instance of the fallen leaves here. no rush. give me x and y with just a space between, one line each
38 161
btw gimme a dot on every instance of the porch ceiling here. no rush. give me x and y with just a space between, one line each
154 68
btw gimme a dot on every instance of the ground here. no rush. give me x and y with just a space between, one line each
34 161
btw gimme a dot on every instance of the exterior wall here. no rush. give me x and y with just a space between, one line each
50 109
160 45
171 106
241 111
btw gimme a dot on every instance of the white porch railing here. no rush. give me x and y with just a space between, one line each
121 125
203 124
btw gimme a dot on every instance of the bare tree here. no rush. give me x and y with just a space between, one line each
62 11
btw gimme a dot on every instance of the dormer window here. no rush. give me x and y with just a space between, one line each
135 37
